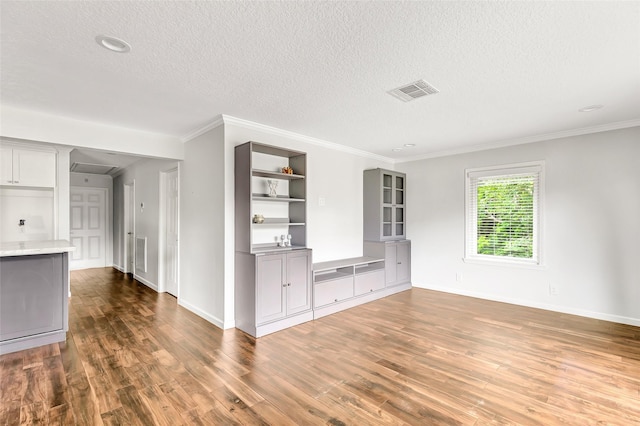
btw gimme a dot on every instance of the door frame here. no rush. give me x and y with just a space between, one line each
162 243
129 225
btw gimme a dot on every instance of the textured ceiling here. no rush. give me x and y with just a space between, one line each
505 70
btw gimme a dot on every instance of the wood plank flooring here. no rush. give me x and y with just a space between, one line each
133 357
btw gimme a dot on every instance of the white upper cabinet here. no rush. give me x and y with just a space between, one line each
26 167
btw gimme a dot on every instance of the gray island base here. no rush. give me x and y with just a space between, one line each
34 289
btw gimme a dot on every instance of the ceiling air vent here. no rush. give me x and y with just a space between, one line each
414 90
97 169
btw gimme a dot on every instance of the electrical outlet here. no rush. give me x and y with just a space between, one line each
553 290
321 201
459 277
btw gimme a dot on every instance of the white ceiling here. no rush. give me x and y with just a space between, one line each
506 71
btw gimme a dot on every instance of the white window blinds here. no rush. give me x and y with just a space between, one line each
503 213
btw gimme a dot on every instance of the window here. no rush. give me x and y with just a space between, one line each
503 213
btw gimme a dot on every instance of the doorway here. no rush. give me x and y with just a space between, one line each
88 227
169 231
128 247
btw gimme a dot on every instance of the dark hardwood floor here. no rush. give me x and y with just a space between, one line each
133 357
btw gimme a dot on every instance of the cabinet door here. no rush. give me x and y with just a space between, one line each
398 205
369 282
6 166
403 262
390 265
298 282
270 303
34 168
333 291
387 205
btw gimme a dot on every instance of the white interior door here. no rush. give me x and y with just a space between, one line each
88 227
171 219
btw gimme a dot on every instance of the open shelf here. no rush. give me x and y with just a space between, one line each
275 175
280 198
285 213
369 267
332 274
277 221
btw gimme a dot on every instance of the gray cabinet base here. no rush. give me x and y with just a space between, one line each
272 327
34 292
28 342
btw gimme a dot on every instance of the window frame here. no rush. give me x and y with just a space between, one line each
471 217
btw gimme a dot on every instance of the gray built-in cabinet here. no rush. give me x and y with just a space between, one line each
397 256
273 282
384 220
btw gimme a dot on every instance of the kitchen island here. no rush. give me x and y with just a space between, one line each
34 289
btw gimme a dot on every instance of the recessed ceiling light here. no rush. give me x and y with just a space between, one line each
396 149
590 108
112 43
409 145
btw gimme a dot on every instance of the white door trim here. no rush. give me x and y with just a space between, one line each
162 222
129 225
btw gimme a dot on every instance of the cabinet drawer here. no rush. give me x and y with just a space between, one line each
369 282
332 291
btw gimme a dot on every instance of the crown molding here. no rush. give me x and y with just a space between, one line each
227 119
217 122
529 139
304 138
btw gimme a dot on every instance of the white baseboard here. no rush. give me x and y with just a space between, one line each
547 307
118 268
211 318
145 282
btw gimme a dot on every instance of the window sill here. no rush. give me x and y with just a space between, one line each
503 262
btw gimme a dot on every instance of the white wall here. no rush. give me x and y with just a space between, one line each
88 180
202 227
35 206
36 126
591 227
146 175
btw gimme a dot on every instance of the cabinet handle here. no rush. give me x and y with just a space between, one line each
284 285
371 290
335 300
16 181
399 263
289 285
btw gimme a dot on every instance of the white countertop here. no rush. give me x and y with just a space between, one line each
24 248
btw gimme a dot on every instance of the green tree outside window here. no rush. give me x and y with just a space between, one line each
505 214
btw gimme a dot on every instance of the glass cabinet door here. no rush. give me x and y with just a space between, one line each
398 206
384 205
